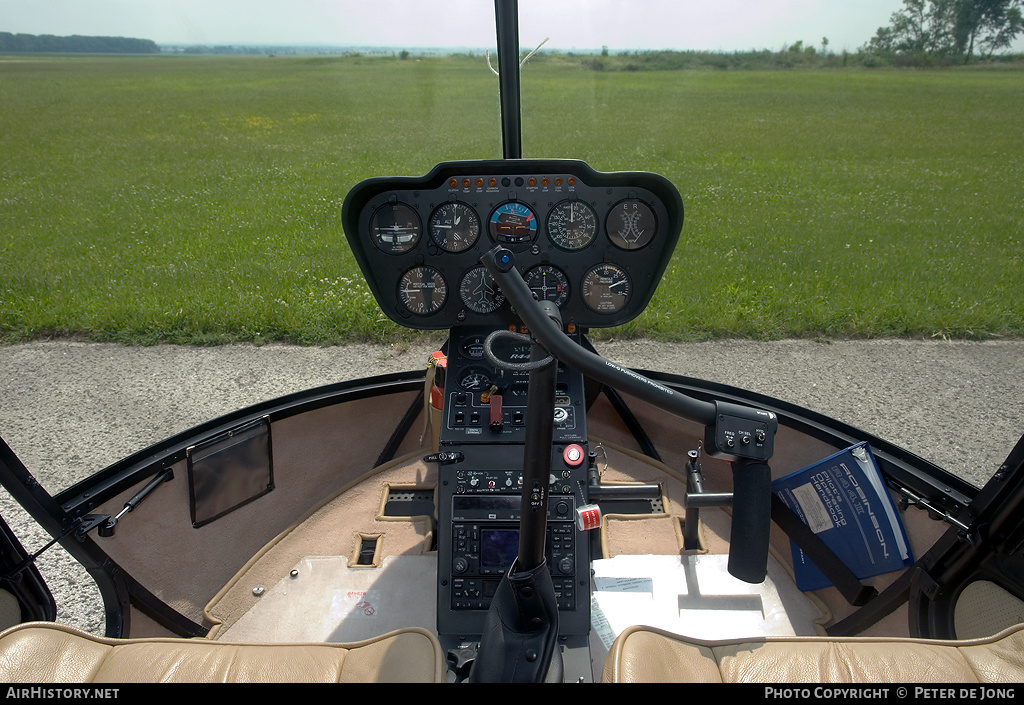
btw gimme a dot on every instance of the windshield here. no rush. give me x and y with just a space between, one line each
186 188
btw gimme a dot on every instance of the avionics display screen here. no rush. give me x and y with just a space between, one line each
498 547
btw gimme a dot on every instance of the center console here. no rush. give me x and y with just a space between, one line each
481 485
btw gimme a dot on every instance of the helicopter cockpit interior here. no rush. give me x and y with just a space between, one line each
587 250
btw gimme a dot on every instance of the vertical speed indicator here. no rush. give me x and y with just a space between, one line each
422 290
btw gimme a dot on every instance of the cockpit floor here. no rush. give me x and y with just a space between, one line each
308 584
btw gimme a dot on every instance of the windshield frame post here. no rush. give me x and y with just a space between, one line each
506 15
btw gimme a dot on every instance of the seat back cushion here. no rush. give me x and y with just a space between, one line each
54 653
644 654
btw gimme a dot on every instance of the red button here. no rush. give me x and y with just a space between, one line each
573 455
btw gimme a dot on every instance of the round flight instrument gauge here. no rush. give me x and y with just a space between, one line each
473 347
454 227
475 379
513 222
480 292
606 288
548 284
422 290
631 224
572 225
395 228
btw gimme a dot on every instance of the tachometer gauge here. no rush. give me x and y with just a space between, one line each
422 290
606 288
548 284
480 292
395 228
475 379
572 225
454 227
631 224
513 222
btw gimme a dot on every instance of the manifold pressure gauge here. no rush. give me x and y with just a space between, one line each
606 288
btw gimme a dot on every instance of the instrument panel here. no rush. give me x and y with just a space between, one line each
596 244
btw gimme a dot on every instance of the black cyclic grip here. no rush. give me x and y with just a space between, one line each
751 521
500 263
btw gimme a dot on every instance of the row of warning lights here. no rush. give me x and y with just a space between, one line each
505 181
569 328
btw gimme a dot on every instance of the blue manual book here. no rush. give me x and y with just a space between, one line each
844 500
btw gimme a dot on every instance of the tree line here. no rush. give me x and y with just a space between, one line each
47 43
949 29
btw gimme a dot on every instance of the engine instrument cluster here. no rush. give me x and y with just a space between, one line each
595 244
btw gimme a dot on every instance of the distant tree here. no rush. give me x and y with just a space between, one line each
950 27
991 24
75 44
923 26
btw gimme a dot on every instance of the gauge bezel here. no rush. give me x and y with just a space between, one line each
403 300
508 239
376 240
587 299
459 205
621 242
595 223
498 299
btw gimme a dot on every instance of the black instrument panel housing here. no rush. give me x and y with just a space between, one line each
540 184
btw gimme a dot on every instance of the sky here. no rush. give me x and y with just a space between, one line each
708 25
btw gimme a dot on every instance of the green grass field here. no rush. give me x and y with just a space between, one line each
197 199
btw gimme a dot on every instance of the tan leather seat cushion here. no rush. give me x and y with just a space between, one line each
647 655
54 653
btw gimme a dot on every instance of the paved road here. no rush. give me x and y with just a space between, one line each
69 409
